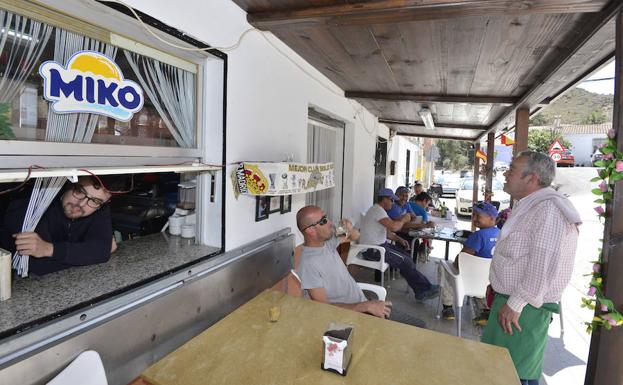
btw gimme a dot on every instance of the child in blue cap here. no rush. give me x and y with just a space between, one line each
480 243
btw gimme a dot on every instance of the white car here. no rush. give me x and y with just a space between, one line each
465 193
451 185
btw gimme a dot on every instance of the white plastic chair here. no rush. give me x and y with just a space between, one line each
355 258
379 291
87 368
471 281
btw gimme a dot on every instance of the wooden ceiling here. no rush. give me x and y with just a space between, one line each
471 62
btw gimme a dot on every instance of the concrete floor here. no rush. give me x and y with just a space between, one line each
566 355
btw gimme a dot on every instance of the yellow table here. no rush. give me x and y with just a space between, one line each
246 348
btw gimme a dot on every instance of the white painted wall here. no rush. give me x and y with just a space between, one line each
582 147
398 152
267 100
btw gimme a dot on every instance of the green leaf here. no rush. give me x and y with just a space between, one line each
600 163
607 195
600 201
597 191
616 177
608 149
595 179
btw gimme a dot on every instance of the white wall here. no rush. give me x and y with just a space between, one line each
267 100
582 147
397 152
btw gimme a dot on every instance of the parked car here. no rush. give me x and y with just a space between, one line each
500 167
464 196
450 185
596 156
568 160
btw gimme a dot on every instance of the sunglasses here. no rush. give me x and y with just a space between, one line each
322 221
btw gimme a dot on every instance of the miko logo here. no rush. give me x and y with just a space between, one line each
90 82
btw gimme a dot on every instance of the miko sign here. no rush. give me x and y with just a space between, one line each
555 151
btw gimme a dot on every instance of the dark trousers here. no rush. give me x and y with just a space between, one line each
399 258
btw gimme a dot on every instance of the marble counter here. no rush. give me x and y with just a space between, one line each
36 299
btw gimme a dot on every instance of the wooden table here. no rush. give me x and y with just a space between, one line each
245 348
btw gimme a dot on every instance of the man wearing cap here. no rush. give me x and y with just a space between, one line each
481 243
402 207
532 263
377 228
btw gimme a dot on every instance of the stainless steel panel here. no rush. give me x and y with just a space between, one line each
134 330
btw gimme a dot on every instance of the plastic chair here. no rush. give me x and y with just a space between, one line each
471 281
379 291
87 368
354 258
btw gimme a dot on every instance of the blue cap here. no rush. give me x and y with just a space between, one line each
486 208
386 192
402 189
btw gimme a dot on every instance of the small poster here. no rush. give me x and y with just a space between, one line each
274 179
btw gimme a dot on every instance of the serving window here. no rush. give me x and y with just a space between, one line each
163 146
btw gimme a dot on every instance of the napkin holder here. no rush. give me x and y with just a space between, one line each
338 342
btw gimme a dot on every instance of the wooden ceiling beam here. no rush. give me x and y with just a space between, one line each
395 11
437 136
581 37
420 98
437 125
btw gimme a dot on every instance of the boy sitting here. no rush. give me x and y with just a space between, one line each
480 243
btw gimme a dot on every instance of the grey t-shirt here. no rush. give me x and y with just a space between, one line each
323 267
372 232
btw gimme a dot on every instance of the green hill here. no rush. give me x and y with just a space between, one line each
577 106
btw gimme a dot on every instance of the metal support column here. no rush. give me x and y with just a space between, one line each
604 358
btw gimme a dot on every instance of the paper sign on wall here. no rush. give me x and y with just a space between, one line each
269 178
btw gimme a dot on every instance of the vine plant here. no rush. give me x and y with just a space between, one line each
610 172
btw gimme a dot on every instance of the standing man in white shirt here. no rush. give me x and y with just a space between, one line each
532 263
377 227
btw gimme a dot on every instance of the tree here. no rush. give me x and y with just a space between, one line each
595 117
540 120
453 154
540 140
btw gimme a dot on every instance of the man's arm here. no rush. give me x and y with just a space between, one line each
394 225
401 241
380 309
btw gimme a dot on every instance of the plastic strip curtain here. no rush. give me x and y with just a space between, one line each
77 128
172 92
22 42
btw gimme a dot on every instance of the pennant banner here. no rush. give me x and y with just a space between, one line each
507 141
480 154
270 178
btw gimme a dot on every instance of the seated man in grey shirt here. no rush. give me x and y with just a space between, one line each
323 274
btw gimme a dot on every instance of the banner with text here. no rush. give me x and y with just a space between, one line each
270 178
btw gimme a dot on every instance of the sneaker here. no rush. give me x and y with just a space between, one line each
428 294
448 313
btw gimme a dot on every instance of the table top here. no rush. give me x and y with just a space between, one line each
246 348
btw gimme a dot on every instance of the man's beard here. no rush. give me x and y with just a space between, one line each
70 213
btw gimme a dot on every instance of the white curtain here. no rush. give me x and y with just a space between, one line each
325 144
172 91
22 41
78 128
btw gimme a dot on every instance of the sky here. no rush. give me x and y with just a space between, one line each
603 86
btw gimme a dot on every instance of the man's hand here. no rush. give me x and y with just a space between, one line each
347 225
430 224
508 318
402 242
30 243
380 309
